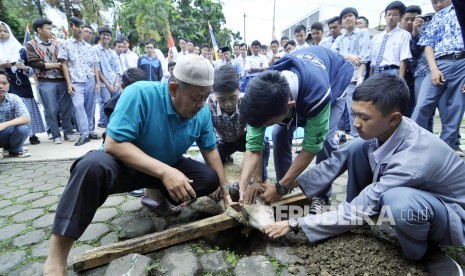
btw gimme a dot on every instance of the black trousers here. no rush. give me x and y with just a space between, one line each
97 174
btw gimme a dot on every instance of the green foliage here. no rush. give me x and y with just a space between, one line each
231 258
17 14
153 19
275 263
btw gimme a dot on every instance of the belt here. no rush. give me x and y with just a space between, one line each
453 56
387 67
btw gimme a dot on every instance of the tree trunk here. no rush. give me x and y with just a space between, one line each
39 8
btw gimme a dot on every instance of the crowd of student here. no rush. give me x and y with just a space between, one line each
325 86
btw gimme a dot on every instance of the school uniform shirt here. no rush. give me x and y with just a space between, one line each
397 47
257 62
395 163
298 47
317 78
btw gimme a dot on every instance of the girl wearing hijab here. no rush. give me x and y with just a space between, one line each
13 59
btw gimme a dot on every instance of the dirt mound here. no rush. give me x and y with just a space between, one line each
357 253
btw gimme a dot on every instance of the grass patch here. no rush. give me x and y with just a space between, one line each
231 258
277 266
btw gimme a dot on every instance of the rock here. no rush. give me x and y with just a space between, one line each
293 271
137 226
96 271
94 231
34 268
280 254
12 210
214 262
179 260
133 264
29 214
187 215
254 265
29 197
45 201
105 214
44 221
131 206
10 259
29 238
41 249
11 230
113 201
206 205
109 238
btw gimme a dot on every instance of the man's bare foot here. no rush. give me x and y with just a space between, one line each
52 268
57 255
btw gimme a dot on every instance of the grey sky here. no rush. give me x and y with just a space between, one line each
259 13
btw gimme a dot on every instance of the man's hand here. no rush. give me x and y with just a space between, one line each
277 229
71 90
97 88
271 194
359 80
178 185
252 192
463 89
417 25
111 88
437 77
6 64
228 202
354 59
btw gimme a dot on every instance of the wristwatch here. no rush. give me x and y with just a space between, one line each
294 225
281 189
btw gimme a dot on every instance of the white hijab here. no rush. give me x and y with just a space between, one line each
9 50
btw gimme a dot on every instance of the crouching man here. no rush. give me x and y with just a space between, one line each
153 125
395 166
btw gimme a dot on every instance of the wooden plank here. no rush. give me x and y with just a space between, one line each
105 254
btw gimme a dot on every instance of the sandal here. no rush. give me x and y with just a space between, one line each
163 209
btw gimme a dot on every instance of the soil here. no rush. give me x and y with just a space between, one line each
360 252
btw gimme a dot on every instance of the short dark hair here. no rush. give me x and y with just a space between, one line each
413 9
256 43
95 39
124 38
119 40
388 93
89 27
226 79
132 75
150 41
264 47
183 38
284 37
205 45
274 41
291 42
243 44
75 21
365 19
300 28
333 19
317 26
346 11
193 42
171 63
3 72
396 5
266 97
39 23
104 29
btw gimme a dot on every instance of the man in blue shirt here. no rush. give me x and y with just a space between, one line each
445 53
153 125
308 91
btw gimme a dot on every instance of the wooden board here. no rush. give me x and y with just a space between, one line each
105 254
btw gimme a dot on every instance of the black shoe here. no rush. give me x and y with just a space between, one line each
69 138
439 263
34 140
94 136
82 140
137 193
102 125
